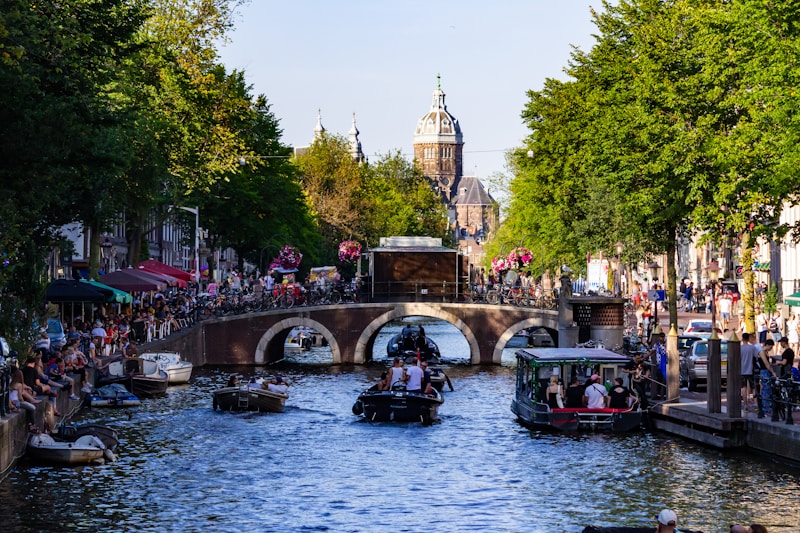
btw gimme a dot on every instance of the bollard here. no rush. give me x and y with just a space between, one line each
734 390
673 365
714 381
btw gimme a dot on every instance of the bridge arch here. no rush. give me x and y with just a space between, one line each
550 325
366 339
267 351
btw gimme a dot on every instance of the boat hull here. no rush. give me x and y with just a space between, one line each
85 450
178 370
112 395
398 406
249 399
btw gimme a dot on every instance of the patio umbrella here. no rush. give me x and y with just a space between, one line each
72 290
118 296
151 265
169 280
130 280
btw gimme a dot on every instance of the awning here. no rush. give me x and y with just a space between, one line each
72 290
131 280
157 266
117 296
164 278
793 299
762 267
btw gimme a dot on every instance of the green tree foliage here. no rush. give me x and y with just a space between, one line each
61 138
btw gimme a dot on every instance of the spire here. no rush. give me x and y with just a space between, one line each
438 96
355 144
319 129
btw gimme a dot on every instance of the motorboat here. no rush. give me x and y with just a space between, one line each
178 370
409 344
398 405
303 338
439 379
87 449
143 378
535 366
520 339
249 397
112 395
109 438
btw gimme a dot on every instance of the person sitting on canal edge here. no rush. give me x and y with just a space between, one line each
667 521
595 394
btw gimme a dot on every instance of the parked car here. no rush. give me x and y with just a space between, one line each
698 363
55 330
685 343
700 328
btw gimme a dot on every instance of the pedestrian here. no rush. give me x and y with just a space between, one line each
793 333
749 353
787 359
764 367
761 325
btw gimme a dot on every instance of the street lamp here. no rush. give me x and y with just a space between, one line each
105 248
619 247
196 212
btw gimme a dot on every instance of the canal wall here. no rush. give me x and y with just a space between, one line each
14 426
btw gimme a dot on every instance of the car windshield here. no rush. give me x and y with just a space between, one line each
701 326
701 348
686 342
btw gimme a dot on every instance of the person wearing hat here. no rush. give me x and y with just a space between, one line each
667 521
595 394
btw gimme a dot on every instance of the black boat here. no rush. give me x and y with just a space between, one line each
411 341
398 405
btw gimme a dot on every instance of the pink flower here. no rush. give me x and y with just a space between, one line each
288 258
349 250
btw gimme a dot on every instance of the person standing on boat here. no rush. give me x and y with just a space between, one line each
414 376
595 394
397 374
638 374
574 394
620 397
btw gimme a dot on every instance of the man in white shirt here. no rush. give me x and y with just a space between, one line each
595 394
278 385
414 375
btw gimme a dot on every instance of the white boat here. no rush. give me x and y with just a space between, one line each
178 369
85 450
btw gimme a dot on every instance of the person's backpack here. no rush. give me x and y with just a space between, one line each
773 326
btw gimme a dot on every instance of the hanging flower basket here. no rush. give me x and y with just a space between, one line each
288 258
500 264
349 251
519 258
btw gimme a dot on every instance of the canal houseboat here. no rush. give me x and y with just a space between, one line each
398 405
535 366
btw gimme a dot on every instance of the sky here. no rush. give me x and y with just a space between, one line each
380 59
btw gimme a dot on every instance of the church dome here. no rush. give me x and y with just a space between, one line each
438 125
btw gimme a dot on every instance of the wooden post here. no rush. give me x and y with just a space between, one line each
673 365
734 390
714 370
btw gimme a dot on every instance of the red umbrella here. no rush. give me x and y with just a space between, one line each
128 280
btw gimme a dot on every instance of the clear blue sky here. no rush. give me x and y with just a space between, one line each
380 59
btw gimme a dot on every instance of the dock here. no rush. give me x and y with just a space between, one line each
688 417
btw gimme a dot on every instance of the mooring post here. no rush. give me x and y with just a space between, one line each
734 391
714 373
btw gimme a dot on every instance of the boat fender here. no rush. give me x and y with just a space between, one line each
358 408
110 455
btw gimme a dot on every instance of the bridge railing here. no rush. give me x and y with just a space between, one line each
458 292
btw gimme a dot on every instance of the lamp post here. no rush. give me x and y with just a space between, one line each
619 247
653 278
105 248
196 212
714 356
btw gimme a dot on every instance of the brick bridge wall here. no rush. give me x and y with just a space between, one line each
350 329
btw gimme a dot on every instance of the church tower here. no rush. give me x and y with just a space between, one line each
438 146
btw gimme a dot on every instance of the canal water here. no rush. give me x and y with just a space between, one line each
317 467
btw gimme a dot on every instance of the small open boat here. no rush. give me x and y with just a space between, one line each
439 378
535 366
178 370
142 377
109 438
87 449
249 397
112 395
398 405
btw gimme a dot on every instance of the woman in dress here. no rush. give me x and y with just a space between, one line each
555 393
792 333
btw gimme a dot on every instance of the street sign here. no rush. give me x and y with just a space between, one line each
656 296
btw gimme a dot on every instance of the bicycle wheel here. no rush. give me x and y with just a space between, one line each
493 297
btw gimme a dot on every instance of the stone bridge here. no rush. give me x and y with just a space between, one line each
351 329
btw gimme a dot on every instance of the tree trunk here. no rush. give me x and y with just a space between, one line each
670 275
748 298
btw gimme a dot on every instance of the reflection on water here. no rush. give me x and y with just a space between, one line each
317 467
